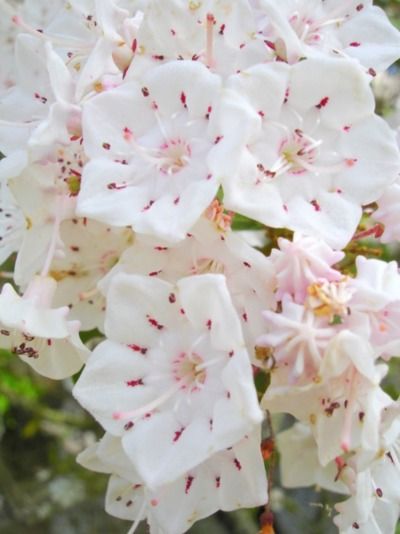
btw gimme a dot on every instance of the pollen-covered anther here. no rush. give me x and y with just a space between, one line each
209 56
330 299
217 214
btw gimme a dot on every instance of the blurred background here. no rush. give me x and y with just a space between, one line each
42 429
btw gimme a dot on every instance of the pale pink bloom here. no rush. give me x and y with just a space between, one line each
302 262
299 339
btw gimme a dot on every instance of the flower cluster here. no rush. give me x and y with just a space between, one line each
135 133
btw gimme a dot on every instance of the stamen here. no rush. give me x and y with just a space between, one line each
210 40
86 295
139 517
376 232
143 410
205 365
345 441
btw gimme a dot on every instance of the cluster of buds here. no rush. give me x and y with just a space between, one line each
134 133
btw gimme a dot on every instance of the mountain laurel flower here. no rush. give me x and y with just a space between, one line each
225 480
190 186
174 372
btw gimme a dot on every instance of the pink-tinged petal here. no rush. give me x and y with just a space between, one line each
301 262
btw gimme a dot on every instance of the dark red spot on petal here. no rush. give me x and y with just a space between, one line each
178 434
322 103
189 482
134 383
238 465
153 322
183 99
316 205
138 348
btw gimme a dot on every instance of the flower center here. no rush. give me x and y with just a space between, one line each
330 299
173 156
310 31
207 265
297 155
189 370
305 28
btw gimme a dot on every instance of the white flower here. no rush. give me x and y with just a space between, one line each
90 251
44 197
174 379
230 479
39 334
208 249
344 404
220 34
295 29
299 464
374 504
149 146
308 157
